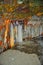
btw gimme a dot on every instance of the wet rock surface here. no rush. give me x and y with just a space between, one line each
14 57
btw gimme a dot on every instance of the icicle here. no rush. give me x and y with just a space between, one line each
15 33
5 38
33 31
11 36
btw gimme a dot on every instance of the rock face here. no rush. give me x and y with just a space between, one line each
14 57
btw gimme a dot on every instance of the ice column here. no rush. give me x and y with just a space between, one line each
41 29
19 33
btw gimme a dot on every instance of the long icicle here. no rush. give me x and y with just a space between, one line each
11 36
